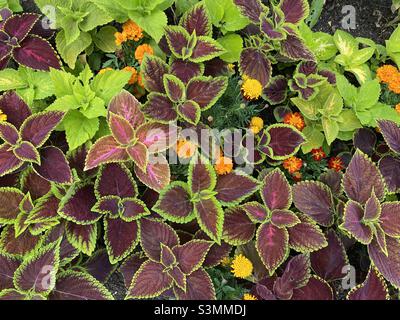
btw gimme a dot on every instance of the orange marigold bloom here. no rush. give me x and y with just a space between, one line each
223 165
336 163
297 176
132 31
142 50
120 38
394 85
140 80
295 119
185 149
102 71
318 154
386 73
134 76
397 107
293 164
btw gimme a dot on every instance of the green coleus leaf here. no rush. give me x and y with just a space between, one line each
233 45
346 43
70 52
153 23
331 129
104 39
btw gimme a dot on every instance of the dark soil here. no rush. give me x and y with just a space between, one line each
372 18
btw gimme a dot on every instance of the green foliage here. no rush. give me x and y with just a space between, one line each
84 98
29 84
77 21
226 286
393 46
148 14
233 44
13 5
315 12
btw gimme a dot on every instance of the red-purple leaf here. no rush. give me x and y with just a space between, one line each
105 150
179 277
157 137
15 108
22 245
82 237
20 25
315 200
284 218
390 168
284 141
121 129
190 111
8 265
365 140
45 209
159 107
73 285
210 217
9 133
251 9
390 219
255 64
10 198
234 187
77 206
26 151
201 176
153 69
272 246
197 20
115 180
238 228
36 53
306 236
268 28
152 234
54 166
276 91
37 128
99 266
206 48
127 106
328 262
185 70
361 177
316 289
129 268
133 209
178 40
191 255
373 209
198 287
333 180
167 256
217 252
294 48
205 91
8 161
157 175
139 154
149 281
388 265
121 238
174 88
391 134
175 203
108 205
373 288
257 212
295 11
276 191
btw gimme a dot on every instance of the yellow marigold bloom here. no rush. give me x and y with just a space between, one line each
3 116
241 267
397 107
102 71
293 164
386 73
132 31
185 149
226 262
256 124
142 50
252 88
248 296
223 165
134 76
120 38
294 119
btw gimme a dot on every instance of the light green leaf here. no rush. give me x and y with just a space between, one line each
331 129
345 42
105 40
79 129
109 84
333 106
10 79
348 121
63 82
233 44
153 24
70 52
95 17
368 95
362 73
362 56
65 103
348 92
95 109
314 139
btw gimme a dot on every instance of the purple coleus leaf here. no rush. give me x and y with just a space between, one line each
197 19
153 70
276 191
391 134
255 64
373 288
199 286
238 228
251 9
160 108
99 266
9 133
276 91
365 140
270 30
295 11
389 166
8 265
186 70
316 289
216 254
24 46
157 175
205 91
10 199
82 237
294 48
115 180
15 108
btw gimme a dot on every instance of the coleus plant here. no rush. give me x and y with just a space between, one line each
170 265
203 197
39 276
369 219
77 21
21 38
84 99
295 283
24 138
278 229
133 138
278 32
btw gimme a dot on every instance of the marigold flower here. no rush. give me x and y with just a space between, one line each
142 50
3 116
226 262
241 267
318 154
223 165
293 164
248 296
132 31
185 149
387 73
336 163
134 76
256 124
294 119
120 38
252 88
102 71
394 85
397 108
297 176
